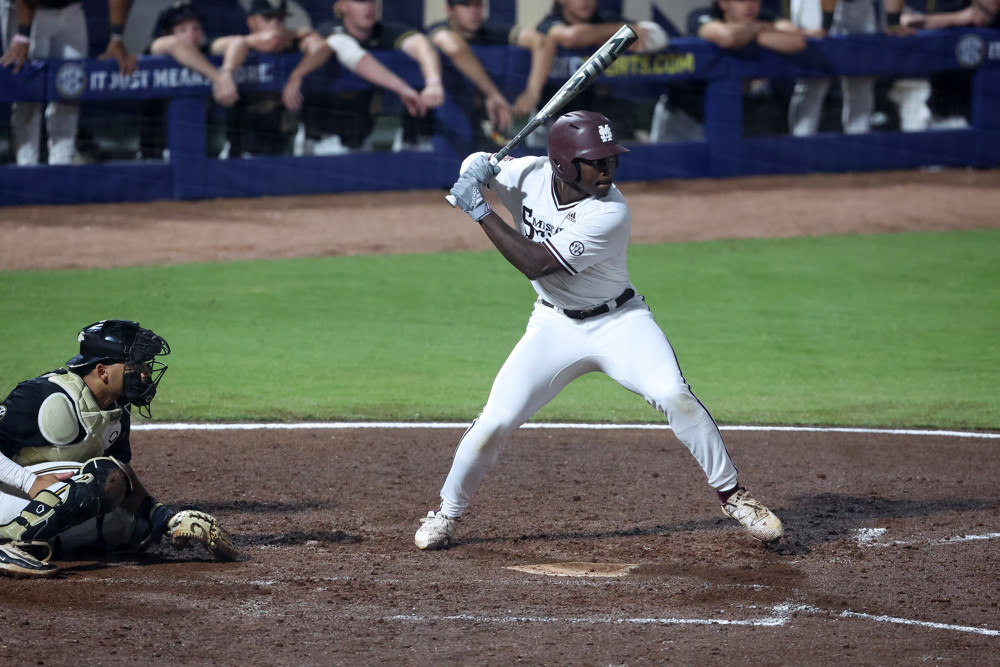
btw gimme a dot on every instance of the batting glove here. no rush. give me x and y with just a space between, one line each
481 170
469 197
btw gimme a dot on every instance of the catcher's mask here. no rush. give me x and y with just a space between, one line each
125 342
580 135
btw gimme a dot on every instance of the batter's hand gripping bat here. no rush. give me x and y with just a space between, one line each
594 66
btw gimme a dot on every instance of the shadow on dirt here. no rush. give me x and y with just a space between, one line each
296 537
828 517
813 520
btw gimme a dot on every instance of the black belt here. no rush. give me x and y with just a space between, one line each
596 310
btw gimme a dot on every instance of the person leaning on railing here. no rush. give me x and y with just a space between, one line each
578 26
178 33
466 26
264 123
729 24
341 121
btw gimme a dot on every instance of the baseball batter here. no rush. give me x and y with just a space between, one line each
570 239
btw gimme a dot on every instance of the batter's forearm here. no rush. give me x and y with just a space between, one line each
530 258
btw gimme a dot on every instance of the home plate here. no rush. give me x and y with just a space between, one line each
576 569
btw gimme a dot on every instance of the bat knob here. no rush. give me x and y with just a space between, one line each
451 200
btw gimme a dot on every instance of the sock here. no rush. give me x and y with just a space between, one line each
724 495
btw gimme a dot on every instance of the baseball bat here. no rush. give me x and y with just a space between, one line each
594 66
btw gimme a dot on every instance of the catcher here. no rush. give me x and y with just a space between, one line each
65 478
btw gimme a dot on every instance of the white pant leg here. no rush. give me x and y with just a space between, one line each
26 131
549 356
854 17
859 103
70 43
806 14
8 23
638 355
12 500
910 97
112 530
26 117
805 110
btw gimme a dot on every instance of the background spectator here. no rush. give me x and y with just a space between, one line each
265 123
734 25
323 121
580 27
56 29
351 115
465 25
179 33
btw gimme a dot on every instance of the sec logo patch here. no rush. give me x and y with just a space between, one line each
576 248
3 411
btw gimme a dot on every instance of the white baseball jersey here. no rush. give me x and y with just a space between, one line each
589 238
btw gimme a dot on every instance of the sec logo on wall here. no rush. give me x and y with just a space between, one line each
71 80
970 50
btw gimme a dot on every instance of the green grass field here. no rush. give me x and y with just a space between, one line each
896 330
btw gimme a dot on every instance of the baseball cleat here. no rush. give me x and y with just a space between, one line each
435 531
21 565
759 521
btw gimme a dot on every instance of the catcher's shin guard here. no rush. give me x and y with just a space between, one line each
99 487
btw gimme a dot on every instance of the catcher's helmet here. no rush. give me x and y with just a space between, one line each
580 134
124 341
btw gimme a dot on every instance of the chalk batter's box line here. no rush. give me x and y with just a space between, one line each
584 427
781 615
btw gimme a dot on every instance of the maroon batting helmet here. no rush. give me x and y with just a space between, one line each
578 135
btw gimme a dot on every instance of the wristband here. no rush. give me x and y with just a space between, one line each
117 32
827 21
20 39
145 507
892 18
480 212
24 30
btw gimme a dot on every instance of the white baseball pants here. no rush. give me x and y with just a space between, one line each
625 344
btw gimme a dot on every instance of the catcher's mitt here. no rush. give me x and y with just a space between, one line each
190 527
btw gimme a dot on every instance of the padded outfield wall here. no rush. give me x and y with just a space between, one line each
725 152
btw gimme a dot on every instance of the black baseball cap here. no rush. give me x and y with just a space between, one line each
174 15
269 8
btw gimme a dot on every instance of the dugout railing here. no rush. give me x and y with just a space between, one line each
725 152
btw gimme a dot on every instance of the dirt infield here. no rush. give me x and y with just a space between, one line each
325 519
890 554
